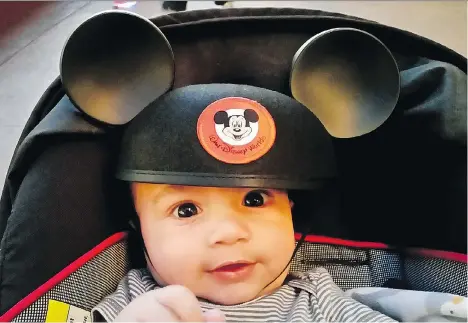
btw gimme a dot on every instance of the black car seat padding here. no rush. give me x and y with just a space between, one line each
64 207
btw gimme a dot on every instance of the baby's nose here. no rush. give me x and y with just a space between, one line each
229 230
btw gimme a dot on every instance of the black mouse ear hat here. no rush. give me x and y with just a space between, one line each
224 134
227 135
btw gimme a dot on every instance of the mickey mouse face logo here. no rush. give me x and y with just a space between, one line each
236 127
236 130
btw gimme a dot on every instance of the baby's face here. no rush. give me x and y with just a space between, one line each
224 244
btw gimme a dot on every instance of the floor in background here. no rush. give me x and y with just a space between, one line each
29 54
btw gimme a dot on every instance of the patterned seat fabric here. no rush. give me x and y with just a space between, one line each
350 267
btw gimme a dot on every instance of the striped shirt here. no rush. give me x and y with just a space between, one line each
303 298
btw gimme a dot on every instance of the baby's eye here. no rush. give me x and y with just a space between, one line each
256 198
186 210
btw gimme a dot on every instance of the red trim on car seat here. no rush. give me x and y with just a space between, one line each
60 276
342 242
445 255
71 268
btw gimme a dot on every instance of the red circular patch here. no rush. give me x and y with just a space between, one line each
236 130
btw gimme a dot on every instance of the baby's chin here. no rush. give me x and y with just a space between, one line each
231 296
238 293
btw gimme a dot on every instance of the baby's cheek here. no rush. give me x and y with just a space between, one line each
286 241
286 244
278 239
174 259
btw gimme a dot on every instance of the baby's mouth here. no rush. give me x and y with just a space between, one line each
232 267
233 271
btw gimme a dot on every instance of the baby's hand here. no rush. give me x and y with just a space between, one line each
169 304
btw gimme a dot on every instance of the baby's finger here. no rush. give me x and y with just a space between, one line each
214 315
181 302
144 309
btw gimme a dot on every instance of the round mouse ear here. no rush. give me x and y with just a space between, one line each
348 78
115 64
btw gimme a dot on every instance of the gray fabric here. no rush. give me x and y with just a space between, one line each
413 306
305 298
85 287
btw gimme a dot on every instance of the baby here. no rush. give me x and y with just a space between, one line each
231 249
218 244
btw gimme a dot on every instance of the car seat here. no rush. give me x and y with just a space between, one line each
401 216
